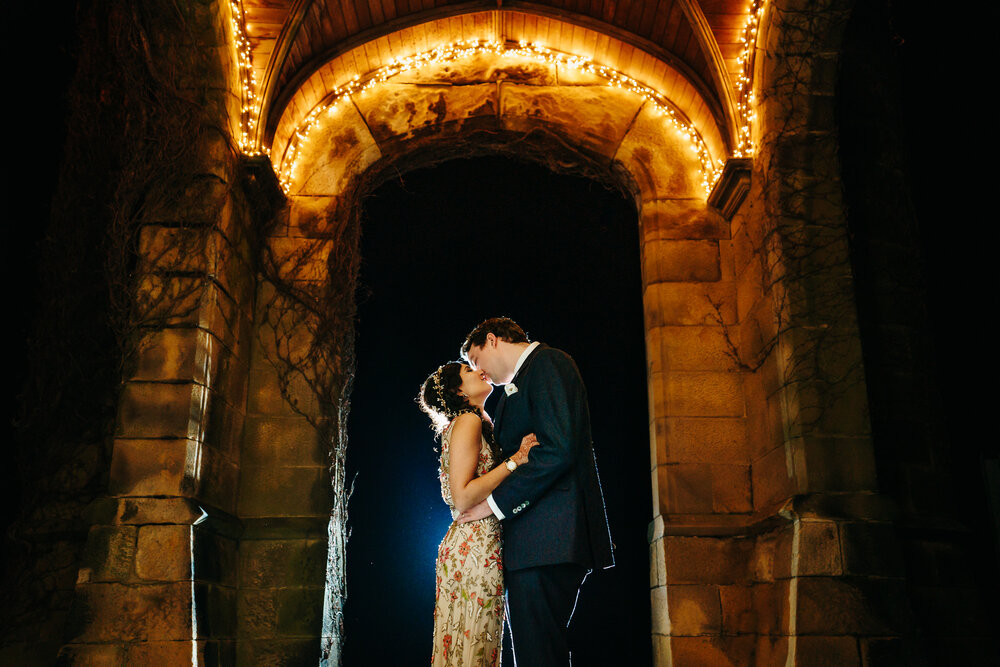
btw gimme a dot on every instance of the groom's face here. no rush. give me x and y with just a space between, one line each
487 359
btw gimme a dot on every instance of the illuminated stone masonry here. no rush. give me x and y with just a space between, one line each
222 537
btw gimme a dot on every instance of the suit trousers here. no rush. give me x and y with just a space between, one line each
540 605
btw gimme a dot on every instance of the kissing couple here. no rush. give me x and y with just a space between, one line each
529 520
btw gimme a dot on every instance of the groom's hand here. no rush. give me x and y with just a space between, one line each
475 513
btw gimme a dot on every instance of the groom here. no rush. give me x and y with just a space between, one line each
555 530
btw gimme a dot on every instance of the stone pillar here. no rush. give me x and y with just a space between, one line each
292 457
157 583
700 470
826 573
159 573
701 474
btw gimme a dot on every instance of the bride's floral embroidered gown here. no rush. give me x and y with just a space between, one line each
468 607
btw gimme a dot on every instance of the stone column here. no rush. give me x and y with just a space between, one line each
157 584
159 573
826 573
291 495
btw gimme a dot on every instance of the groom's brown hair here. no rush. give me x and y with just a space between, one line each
503 328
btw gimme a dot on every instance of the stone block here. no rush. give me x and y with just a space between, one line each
109 554
200 203
170 354
761 434
280 612
290 441
224 426
216 610
684 488
85 655
232 375
774 476
731 492
112 612
338 149
164 553
591 118
166 300
745 247
871 548
771 650
727 260
697 394
689 303
688 348
818 549
680 219
659 158
297 259
691 488
707 560
266 397
274 491
771 606
714 651
751 287
700 440
839 606
217 479
313 217
680 261
173 248
177 652
158 410
840 464
738 614
139 511
149 467
397 112
216 557
279 563
827 651
275 651
694 610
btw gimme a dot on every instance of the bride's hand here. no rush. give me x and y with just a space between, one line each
527 442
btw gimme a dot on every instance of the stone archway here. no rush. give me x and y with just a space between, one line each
573 122
763 482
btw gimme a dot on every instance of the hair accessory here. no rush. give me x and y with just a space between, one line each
438 389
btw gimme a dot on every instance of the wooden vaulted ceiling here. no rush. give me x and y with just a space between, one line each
291 39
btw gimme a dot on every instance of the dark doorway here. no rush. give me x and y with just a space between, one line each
443 249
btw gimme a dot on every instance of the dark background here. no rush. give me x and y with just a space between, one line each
444 249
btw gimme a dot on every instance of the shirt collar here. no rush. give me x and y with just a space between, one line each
524 355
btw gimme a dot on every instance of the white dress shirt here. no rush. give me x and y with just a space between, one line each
517 367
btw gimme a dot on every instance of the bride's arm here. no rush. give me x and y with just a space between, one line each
466 438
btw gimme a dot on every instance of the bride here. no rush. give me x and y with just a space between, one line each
468 607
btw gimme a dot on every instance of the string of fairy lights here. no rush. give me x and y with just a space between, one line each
468 49
250 104
746 102
250 112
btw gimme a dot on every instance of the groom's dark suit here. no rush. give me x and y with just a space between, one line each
555 527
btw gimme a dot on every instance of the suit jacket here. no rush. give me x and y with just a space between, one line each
553 505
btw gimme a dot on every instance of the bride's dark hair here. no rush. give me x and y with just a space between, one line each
440 398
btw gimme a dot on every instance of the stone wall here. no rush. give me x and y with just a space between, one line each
773 539
158 579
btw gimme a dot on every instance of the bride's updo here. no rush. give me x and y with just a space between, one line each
441 399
